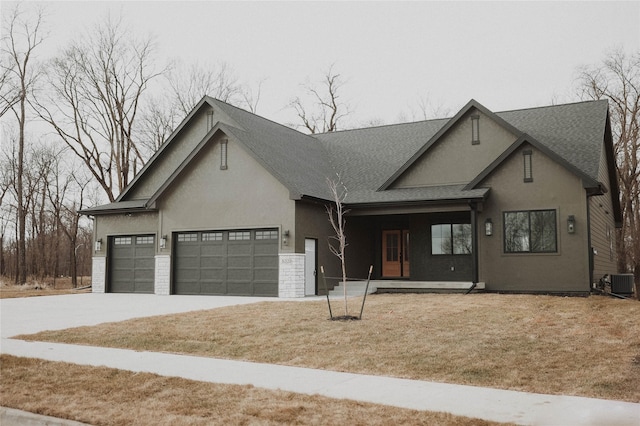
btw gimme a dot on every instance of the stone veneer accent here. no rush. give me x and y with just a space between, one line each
162 283
291 275
98 274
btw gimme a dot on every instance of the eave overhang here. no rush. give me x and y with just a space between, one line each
119 207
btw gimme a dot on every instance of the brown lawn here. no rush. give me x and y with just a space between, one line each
104 396
45 287
558 345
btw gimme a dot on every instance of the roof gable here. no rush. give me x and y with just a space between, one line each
277 148
169 147
473 104
455 158
587 181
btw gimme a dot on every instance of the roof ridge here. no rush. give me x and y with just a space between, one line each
551 106
355 129
227 104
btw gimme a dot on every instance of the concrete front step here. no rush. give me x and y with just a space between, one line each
354 288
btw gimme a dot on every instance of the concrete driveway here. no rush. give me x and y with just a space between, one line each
34 314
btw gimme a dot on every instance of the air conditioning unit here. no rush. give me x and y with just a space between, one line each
622 283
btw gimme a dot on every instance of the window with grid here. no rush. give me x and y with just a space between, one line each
148 239
212 236
182 238
266 235
239 235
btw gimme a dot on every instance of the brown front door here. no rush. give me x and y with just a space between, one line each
395 253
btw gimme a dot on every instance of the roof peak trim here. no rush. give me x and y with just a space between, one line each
472 104
588 182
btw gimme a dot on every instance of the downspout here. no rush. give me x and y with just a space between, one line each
474 245
589 248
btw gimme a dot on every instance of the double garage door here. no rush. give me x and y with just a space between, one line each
242 263
238 262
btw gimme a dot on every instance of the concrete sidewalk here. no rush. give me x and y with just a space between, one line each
489 404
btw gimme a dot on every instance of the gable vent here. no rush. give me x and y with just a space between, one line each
528 172
475 129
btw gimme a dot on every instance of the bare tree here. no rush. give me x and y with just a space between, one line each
190 85
21 37
98 83
336 212
617 79
322 111
158 121
250 97
186 87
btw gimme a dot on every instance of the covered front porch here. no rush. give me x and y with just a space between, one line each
427 249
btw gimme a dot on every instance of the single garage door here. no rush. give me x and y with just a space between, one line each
239 263
131 264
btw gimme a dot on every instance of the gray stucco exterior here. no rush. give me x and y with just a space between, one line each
225 170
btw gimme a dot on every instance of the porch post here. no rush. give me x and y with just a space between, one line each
474 241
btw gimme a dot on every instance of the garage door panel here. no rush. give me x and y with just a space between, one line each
265 249
239 288
263 262
213 262
190 287
213 274
131 264
144 265
264 274
239 262
227 262
239 248
219 288
264 289
240 274
210 249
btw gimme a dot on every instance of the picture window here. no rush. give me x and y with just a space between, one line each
530 231
451 238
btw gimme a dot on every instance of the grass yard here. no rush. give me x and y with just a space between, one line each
104 396
46 287
557 345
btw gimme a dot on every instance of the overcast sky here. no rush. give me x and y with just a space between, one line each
506 55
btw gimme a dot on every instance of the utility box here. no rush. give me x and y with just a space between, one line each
622 283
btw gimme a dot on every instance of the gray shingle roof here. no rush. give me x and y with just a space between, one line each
573 131
367 158
296 159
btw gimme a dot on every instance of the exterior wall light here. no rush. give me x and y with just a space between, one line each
98 245
571 224
285 237
488 227
163 242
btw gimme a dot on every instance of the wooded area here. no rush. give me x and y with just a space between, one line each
77 127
